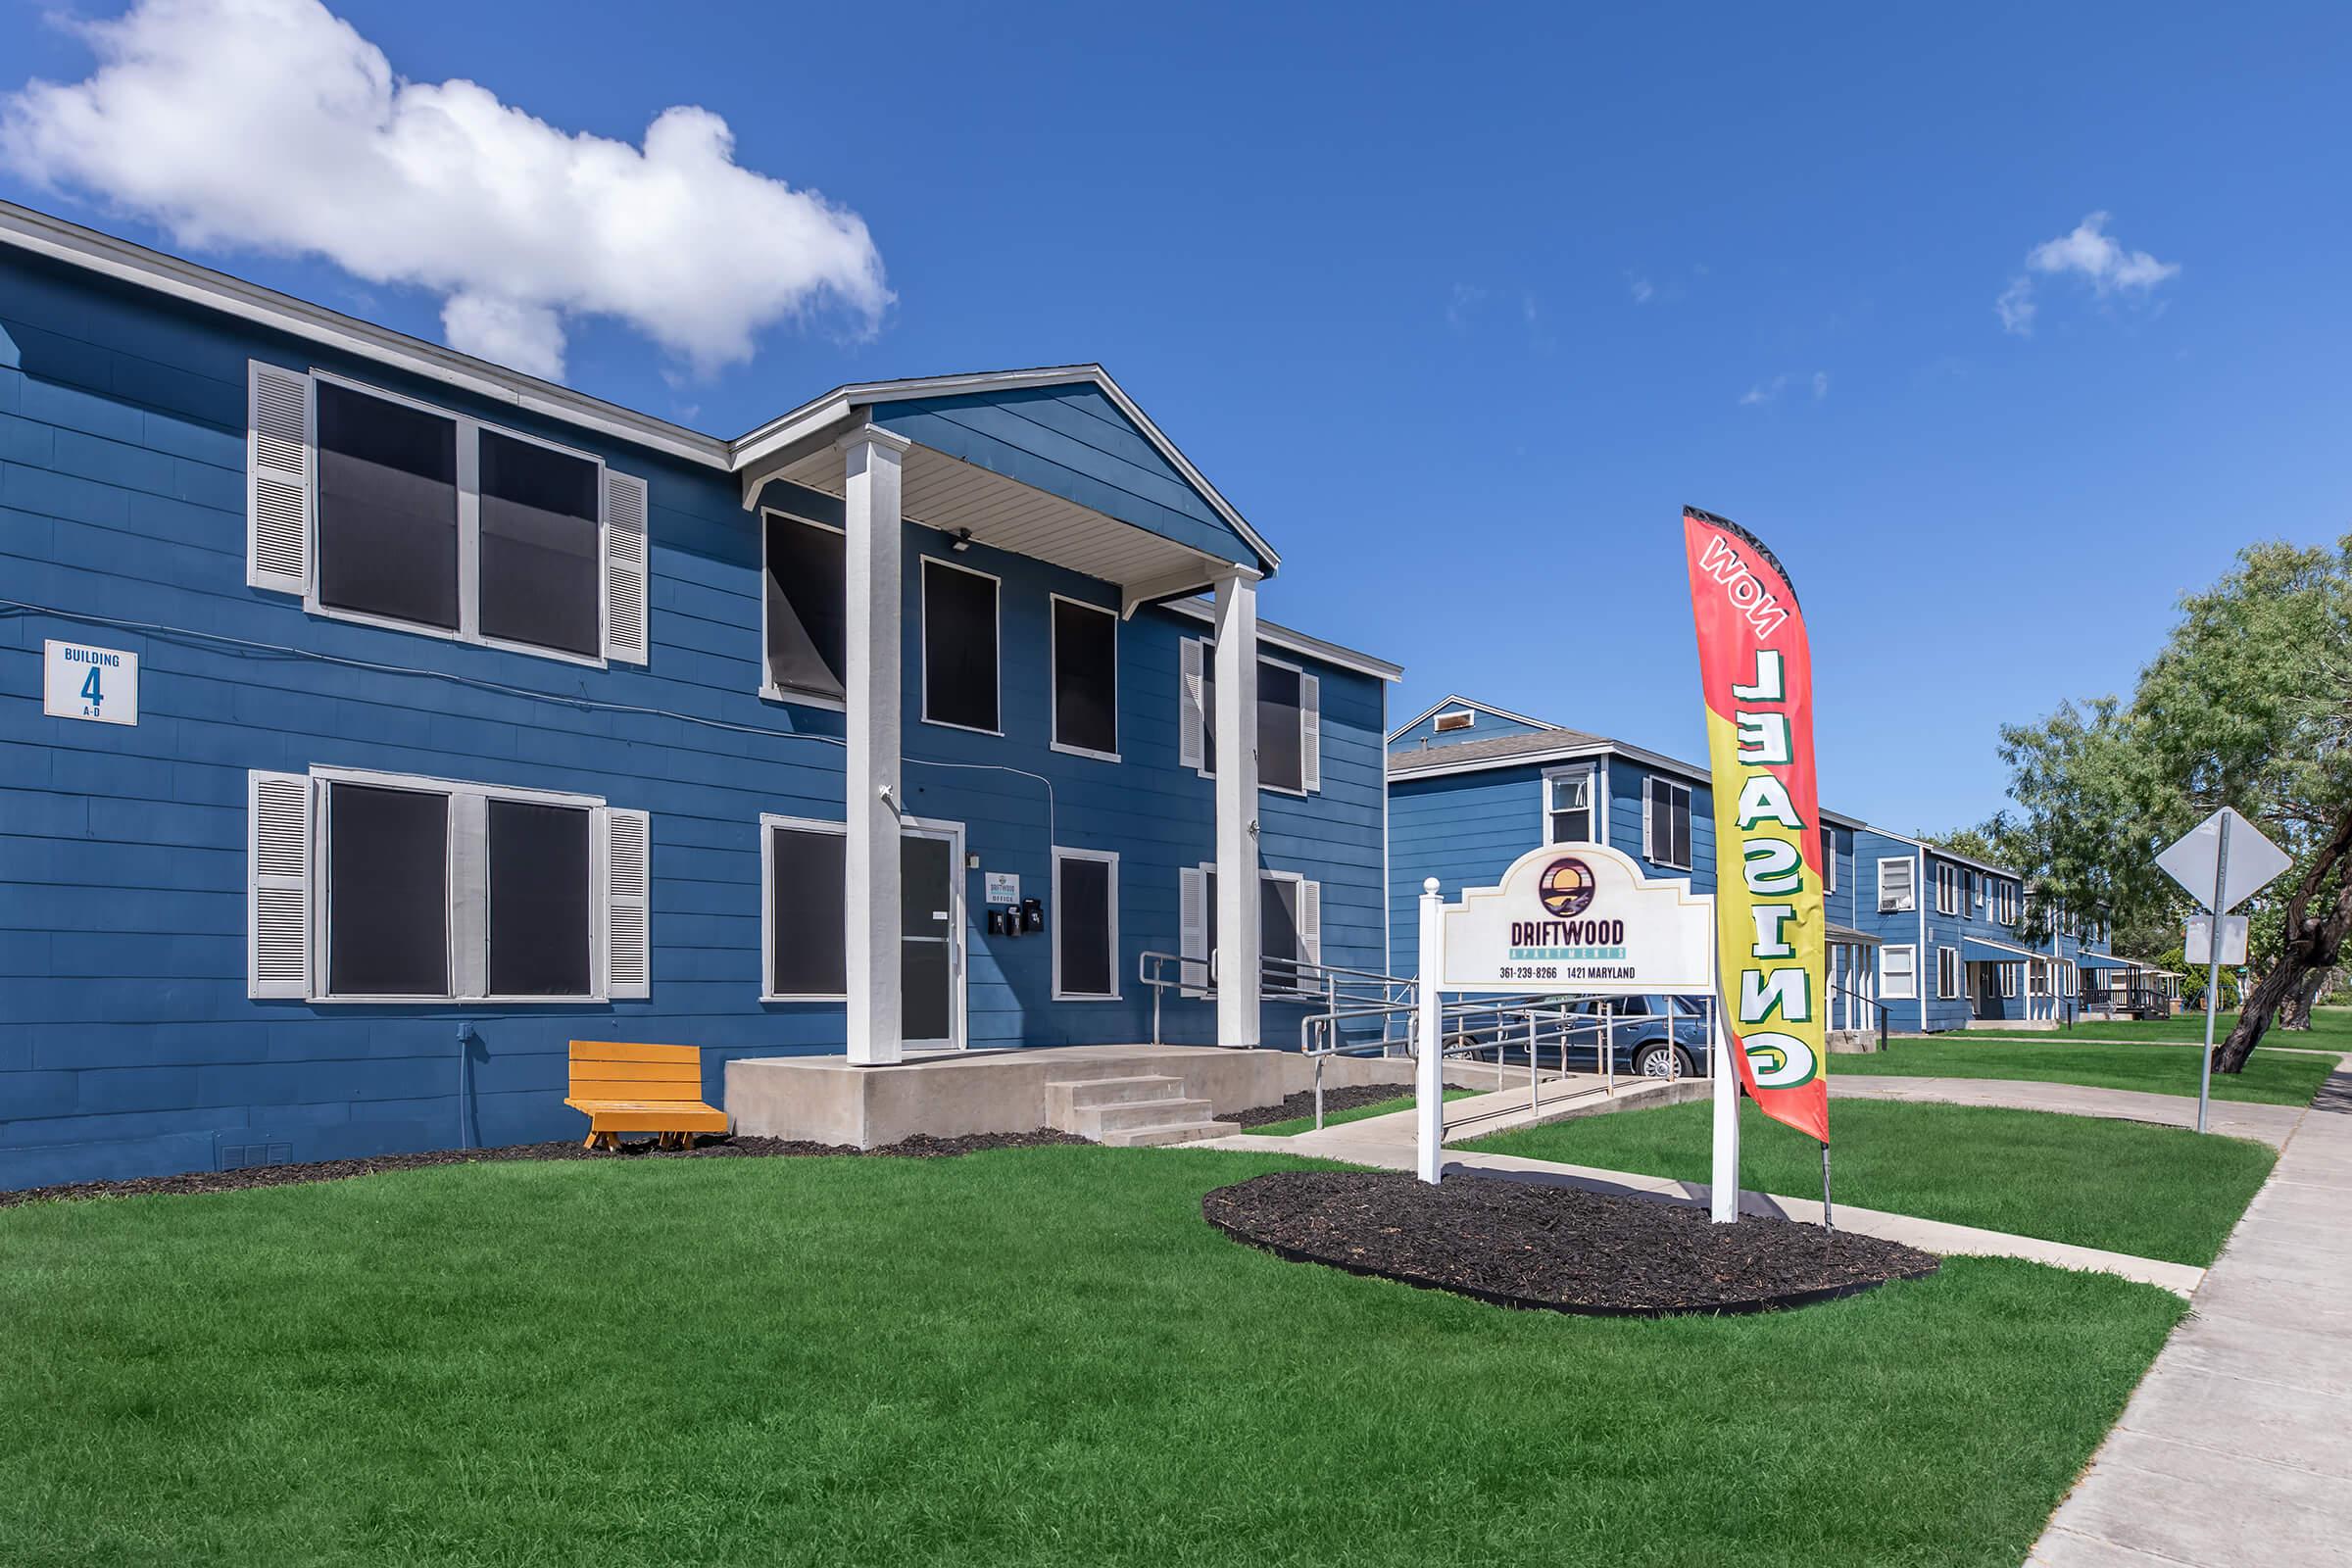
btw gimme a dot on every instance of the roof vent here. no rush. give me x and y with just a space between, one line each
1454 719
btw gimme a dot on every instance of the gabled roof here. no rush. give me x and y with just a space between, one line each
1544 745
1456 700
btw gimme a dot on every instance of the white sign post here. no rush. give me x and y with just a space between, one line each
1573 920
2222 862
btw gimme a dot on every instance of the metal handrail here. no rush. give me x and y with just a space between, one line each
1873 1003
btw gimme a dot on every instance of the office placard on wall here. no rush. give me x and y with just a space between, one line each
79 681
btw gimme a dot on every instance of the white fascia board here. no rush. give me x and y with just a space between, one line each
1457 700
170 275
1953 856
1271 635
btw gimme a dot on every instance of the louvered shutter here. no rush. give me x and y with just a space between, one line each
628 904
626 567
1650 799
277 885
1310 922
1310 732
1193 920
1191 736
278 478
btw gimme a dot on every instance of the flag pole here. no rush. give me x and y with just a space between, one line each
1829 1221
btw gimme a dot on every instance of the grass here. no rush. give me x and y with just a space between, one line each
1026 1357
2330 1030
2127 1187
1331 1118
2271 1077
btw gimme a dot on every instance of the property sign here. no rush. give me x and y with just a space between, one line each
1756 672
1579 918
2254 861
1001 887
79 681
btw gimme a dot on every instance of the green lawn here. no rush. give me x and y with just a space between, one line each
1033 1356
2271 1077
2153 1192
1331 1118
2330 1030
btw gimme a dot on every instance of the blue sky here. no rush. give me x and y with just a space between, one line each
1461 307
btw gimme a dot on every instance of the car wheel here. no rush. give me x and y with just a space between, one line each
1657 1060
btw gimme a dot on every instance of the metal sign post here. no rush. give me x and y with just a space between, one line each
1429 1075
2213 976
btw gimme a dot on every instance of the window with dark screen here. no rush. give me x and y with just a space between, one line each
542 547
540 900
807 895
1669 825
808 608
1281 749
1086 679
959 648
387 891
1278 923
387 484
1086 924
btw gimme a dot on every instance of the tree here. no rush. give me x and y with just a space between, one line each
2248 704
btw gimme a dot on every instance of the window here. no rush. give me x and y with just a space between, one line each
1947 889
1898 889
2038 978
1568 807
1898 974
803 891
1290 719
375 507
1666 823
2008 979
2004 902
959 648
806 610
1290 929
1829 859
1085 918
427 890
1947 973
1086 679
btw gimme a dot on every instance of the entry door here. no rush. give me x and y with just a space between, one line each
1988 990
931 940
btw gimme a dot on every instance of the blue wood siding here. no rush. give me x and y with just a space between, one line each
128 1043
1072 441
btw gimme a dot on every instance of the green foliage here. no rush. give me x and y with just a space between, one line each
2274 1078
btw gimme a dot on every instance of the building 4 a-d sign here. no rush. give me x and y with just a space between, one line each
1576 920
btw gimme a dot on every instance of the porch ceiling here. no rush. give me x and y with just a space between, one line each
948 494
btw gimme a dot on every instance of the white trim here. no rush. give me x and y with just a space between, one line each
1055 917
1291 641
468 433
767 902
1959 991
1956 884
1910 865
1303 792
1887 989
1590 771
1454 700
769 691
1649 828
923 566
1053 741
960 1037
1937 849
461 918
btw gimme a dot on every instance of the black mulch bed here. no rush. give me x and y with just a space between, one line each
1303 1104
1560 1249
919 1147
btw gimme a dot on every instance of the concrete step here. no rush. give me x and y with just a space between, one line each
1100 1122
1063 1100
1183 1132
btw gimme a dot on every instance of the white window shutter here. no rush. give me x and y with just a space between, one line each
1649 839
278 478
278 884
1193 922
1191 734
628 900
1310 732
1310 922
627 563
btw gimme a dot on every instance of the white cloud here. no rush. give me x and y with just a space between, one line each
272 125
1643 291
1821 385
2091 253
1467 298
1769 391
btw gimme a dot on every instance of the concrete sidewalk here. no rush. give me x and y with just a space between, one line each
2270 1124
2235 1450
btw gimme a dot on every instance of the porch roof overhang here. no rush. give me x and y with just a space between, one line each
1981 949
2104 960
1848 935
1055 464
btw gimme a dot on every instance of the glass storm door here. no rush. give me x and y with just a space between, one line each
931 940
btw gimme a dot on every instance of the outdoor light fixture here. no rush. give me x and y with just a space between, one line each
962 542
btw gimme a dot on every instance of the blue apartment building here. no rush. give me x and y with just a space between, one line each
475 716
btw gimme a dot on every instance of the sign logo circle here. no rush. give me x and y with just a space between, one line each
1567 887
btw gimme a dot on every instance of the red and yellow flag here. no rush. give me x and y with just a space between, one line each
1757 673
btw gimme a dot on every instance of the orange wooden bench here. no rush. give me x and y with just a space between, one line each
640 1089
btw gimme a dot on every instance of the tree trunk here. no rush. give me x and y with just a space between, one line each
2314 944
2296 1015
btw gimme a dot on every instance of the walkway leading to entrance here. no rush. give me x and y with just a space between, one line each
2232 1451
2270 1124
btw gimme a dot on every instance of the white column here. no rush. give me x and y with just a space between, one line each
1429 1072
872 683
1239 943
